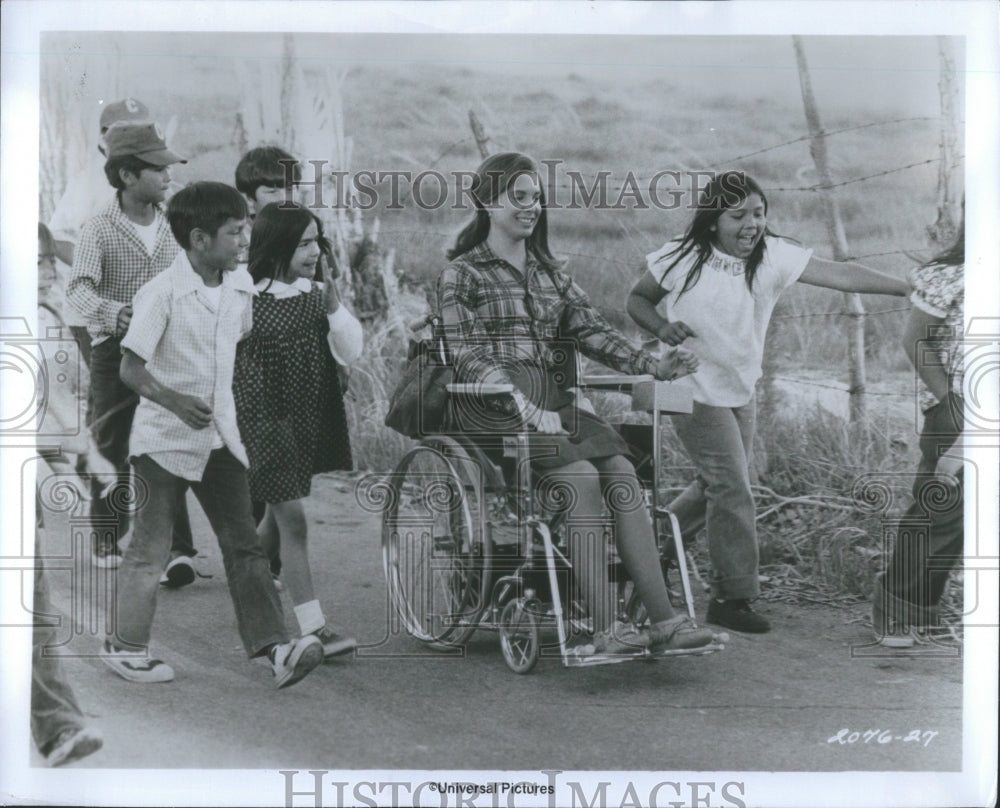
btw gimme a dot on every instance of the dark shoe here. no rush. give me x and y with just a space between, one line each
72 744
179 572
737 615
678 634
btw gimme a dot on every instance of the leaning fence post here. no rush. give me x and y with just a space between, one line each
835 229
943 231
479 134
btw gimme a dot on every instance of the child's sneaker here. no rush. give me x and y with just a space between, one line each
335 644
678 634
134 665
72 744
291 661
179 572
106 555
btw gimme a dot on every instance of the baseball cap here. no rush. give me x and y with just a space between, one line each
144 140
128 109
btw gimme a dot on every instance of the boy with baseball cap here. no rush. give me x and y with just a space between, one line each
121 248
86 194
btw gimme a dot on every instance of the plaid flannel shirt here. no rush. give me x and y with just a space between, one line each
111 264
495 320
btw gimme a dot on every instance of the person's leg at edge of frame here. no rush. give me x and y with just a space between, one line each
623 496
224 494
717 441
126 651
58 726
930 541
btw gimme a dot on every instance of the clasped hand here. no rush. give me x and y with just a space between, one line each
676 363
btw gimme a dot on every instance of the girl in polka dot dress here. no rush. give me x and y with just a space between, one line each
289 399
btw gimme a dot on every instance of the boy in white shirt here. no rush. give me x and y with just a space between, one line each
178 355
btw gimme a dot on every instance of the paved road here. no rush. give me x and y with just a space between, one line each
767 703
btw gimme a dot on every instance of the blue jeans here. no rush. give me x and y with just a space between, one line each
224 495
111 406
931 534
719 441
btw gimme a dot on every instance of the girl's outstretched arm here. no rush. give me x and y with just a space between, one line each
849 276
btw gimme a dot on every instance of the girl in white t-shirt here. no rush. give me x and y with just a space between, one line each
721 280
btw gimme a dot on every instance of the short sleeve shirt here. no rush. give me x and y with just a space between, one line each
939 290
189 345
729 322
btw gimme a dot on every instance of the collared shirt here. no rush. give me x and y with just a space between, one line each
497 319
111 264
190 347
346 337
939 290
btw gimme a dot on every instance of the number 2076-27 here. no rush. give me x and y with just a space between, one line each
883 736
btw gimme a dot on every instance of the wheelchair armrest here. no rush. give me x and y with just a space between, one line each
647 393
614 383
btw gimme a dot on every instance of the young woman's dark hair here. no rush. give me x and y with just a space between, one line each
493 177
206 206
275 237
727 190
127 162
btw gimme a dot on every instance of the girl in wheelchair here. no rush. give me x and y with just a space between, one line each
509 314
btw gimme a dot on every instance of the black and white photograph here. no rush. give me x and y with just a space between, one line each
500 404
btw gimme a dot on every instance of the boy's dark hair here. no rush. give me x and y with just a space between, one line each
128 162
206 206
263 166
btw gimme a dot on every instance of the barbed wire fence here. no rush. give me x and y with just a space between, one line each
67 142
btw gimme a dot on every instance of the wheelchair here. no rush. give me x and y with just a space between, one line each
469 542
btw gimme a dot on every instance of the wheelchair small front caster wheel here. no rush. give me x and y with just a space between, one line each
519 635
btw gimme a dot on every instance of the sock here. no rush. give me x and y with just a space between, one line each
310 617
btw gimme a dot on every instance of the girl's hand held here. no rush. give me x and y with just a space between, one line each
676 363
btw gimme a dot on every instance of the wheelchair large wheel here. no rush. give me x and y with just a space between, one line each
436 561
519 634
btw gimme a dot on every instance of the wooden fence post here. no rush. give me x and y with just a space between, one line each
835 230
944 229
479 134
